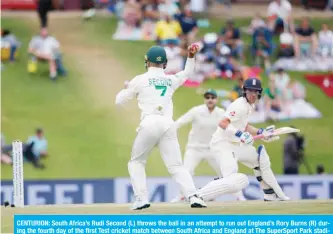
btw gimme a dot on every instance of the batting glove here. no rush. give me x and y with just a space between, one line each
246 138
267 133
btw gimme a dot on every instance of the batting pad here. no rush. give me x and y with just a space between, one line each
231 184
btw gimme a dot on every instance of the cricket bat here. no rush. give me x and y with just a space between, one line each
279 131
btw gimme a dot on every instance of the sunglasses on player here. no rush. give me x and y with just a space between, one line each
210 97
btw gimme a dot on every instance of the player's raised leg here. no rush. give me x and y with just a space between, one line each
228 185
232 181
259 161
170 151
212 162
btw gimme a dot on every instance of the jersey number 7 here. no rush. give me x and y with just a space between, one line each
161 87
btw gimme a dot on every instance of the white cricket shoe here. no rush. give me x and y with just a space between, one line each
285 198
273 197
140 205
178 199
197 202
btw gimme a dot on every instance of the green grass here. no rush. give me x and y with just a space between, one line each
86 141
77 132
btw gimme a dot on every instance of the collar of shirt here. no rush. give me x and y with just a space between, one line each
252 106
156 70
206 107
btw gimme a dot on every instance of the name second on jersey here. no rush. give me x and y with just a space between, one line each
160 82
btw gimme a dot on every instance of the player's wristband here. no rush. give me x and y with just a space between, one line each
238 133
260 131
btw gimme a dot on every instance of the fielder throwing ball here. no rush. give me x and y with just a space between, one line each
233 141
204 118
154 90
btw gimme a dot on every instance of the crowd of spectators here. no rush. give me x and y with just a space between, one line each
225 54
175 27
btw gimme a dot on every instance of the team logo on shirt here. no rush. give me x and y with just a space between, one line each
232 113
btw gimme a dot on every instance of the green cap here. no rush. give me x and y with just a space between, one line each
156 54
211 92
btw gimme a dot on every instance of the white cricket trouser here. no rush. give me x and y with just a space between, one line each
228 154
194 156
158 130
232 182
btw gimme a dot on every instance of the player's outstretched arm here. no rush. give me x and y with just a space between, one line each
125 95
186 118
189 66
244 137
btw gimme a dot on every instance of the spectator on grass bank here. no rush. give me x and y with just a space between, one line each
279 16
225 62
271 100
232 38
168 7
167 30
132 13
305 39
188 24
292 157
283 89
9 45
46 48
286 47
326 41
150 10
39 148
281 80
262 46
256 23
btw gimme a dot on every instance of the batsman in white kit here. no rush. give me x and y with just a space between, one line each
233 139
204 119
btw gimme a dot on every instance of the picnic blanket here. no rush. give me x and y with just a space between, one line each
300 109
305 64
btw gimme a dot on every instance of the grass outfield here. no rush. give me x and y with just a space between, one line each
92 141
248 207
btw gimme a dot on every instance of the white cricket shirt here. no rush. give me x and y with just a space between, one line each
238 113
48 45
154 90
204 124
